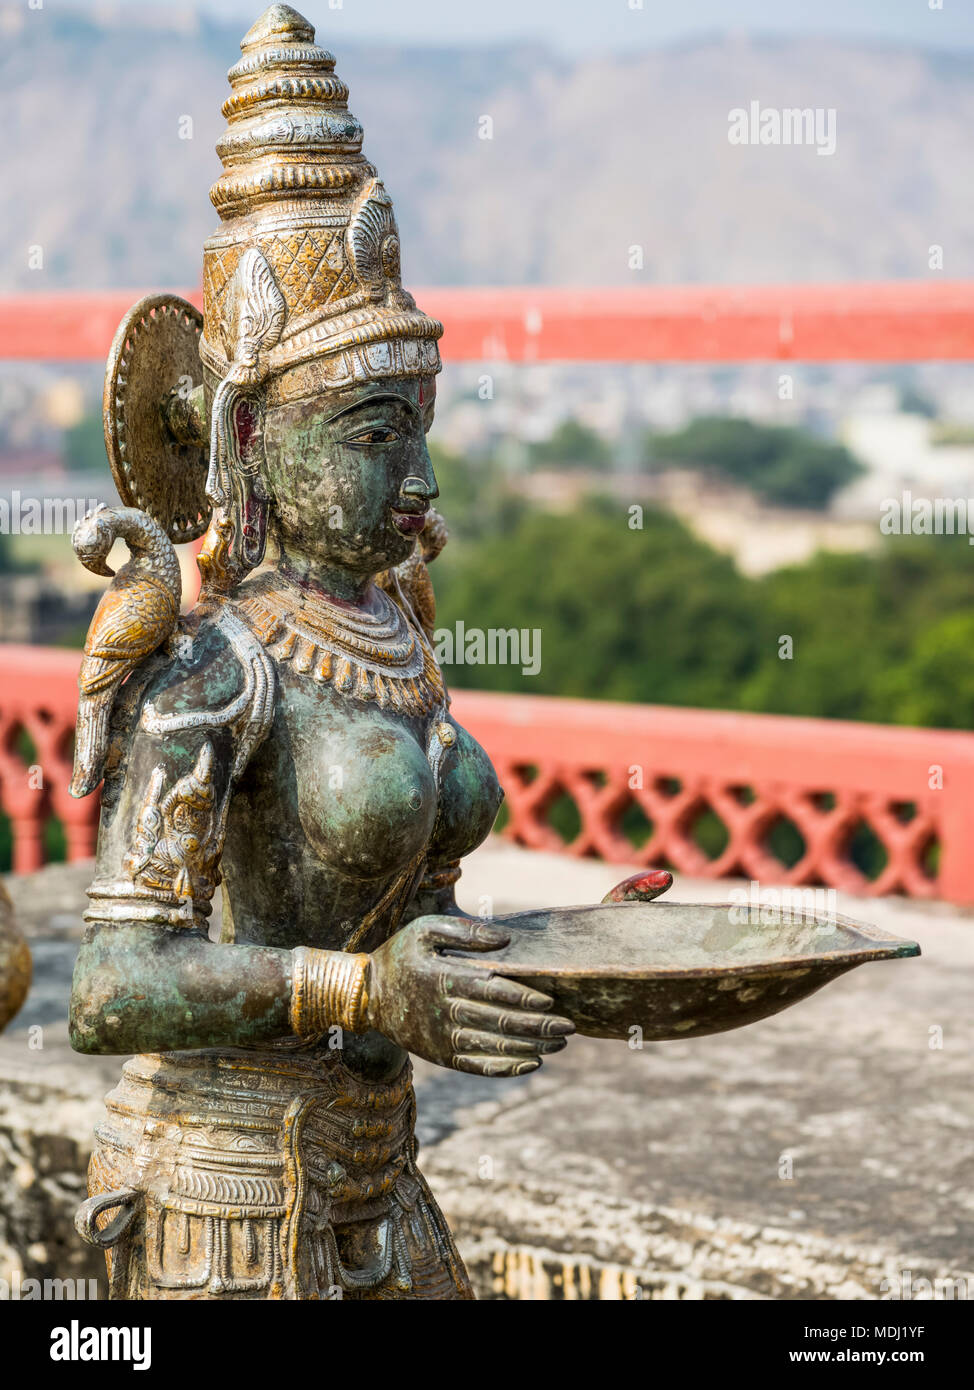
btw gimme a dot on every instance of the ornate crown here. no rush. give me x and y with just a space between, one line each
298 194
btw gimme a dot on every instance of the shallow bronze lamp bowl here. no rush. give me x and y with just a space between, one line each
680 970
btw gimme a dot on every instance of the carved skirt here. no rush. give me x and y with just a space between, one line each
270 1174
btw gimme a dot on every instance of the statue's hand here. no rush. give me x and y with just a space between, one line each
455 1011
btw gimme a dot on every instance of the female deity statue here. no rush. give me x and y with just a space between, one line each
290 738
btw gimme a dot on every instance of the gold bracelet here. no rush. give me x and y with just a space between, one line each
328 988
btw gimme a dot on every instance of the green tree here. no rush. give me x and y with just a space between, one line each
474 498
788 467
643 615
571 445
934 684
656 615
864 630
83 446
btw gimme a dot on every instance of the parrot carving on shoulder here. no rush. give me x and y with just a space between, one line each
136 615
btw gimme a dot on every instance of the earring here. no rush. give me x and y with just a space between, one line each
251 500
253 523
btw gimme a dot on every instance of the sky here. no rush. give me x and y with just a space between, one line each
578 25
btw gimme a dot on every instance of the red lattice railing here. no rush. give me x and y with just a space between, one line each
705 793
637 784
38 700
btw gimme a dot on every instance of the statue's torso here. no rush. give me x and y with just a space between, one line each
336 805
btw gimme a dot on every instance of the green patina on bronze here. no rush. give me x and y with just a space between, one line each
683 970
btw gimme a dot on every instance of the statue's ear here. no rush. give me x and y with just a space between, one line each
249 493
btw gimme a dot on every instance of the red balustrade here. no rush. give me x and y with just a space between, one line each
38 700
897 321
911 791
652 769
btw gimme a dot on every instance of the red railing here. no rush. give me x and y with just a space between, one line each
618 765
662 771
38 702
899 321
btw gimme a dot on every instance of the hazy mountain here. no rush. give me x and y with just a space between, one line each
587 159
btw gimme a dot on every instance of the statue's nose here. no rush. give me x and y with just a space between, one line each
424 489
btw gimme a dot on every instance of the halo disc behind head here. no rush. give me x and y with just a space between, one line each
156 351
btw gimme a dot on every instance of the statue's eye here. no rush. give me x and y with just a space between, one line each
381 435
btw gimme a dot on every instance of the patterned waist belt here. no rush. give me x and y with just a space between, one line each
252 1167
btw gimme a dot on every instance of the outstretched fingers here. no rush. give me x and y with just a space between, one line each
482 1065
514 1022
495 989
498 1026
471 1040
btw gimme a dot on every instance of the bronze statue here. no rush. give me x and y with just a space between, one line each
290 737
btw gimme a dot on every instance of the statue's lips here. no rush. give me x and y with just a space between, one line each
408 523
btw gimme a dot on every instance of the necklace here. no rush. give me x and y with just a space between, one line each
377 656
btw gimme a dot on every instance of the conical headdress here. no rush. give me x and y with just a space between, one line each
304 271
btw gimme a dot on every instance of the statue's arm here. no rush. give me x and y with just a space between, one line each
149 988
436 894
147 976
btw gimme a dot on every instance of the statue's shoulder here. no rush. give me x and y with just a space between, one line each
212 675
197 668
186 726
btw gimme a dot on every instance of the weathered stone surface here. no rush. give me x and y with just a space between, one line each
50 1100
619 1174
50 904
50 1097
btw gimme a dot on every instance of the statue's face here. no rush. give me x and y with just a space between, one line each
349 474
